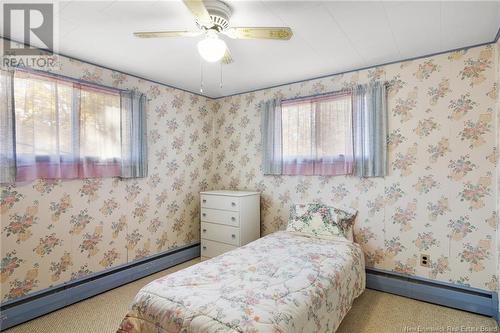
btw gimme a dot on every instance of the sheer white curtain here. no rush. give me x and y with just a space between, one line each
317 135
7 134
298 125
100 133
64 129
44 149
334 149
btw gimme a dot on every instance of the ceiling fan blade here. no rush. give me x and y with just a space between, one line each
199 11
282 33
160 34
227 58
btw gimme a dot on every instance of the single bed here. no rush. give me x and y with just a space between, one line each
283 282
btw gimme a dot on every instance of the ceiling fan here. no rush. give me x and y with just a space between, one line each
212 18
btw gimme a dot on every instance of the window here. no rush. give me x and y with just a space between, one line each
341 133
317 135
65 129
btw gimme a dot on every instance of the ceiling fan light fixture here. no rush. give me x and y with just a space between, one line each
212 48
212 18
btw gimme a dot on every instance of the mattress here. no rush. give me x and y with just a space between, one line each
283 282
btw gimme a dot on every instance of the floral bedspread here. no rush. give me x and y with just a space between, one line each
280 283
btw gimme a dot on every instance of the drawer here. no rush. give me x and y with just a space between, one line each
220 202
220 233
220 217
210 249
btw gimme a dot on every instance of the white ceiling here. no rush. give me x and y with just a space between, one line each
329 37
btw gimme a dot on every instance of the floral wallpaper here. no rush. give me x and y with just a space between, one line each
439 198
57 231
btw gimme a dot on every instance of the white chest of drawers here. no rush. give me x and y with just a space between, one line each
229 219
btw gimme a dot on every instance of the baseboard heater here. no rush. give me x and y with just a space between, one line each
34 305
451 295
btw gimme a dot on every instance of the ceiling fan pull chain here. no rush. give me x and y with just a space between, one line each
201 76
220 66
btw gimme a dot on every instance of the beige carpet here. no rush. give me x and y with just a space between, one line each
373 312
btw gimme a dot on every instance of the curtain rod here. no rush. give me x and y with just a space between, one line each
342 91
67 78
337 92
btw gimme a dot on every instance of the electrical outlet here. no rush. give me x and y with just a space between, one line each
425 260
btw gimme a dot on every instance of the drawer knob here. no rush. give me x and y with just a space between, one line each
204 214
233 218
204 230
204 200
233 235
233 203
204 248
